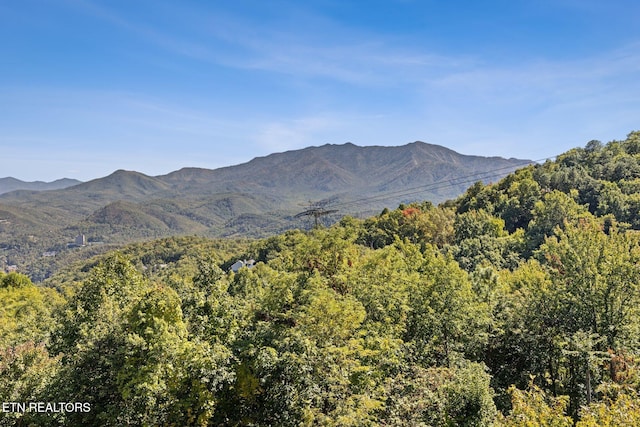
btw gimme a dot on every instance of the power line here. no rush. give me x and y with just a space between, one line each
467 179
317 210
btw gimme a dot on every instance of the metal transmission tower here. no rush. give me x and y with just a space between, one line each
317 210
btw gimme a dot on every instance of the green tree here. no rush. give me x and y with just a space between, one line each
481 239
534 408
597 280
524 337
447 319
126 350
456 396
551 212
90 340
26 311
156 379
14 280
619 410
26 370
593 303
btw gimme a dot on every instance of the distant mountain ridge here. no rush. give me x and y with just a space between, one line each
257 198
347 168
316 171
277 183
12 184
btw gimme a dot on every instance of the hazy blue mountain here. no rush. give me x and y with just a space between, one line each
11 184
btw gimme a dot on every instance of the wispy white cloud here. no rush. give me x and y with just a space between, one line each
361 57
471 103
341 54
165 38
544 74
523 108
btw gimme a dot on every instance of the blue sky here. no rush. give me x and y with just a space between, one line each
88 86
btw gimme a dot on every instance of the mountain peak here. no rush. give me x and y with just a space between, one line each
126 184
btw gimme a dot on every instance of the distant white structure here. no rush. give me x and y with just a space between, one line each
80 240
249 263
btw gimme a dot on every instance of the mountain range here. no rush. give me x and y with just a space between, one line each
256 198
11 184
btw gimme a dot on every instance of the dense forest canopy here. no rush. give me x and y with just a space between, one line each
516 304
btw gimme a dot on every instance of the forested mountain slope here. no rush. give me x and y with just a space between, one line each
604 178
516 304
255 199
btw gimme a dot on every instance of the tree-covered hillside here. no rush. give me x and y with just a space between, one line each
516 304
